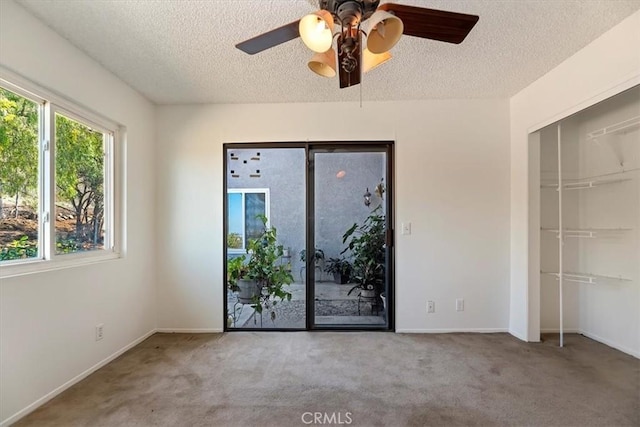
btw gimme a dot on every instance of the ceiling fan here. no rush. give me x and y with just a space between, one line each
347 21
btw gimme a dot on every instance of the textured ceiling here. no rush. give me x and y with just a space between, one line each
182 51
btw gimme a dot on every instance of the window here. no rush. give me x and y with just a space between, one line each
80 153
244 206
56 179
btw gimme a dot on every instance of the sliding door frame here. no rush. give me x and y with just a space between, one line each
385 146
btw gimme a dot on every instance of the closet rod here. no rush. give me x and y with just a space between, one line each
591 233
583 184
588 230
586 178
592 181
587 278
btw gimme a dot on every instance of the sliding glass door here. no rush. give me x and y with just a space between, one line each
308 236
350 236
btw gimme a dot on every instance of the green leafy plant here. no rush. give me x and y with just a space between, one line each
18 147
234 241
366 243
340 268
23 248
19 249
264 269
236 270
80 177
66 246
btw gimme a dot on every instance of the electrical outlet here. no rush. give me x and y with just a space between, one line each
460 304
99 331
431 307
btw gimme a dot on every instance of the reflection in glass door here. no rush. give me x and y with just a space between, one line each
348 268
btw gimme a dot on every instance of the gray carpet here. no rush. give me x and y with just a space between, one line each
371 379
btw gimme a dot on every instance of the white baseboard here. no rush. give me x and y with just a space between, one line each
189 331
623 349
595 337
47 397
634 353
519 335
452 330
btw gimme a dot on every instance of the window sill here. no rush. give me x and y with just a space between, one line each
41 266
237 251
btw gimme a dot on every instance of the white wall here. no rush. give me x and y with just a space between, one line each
604 67
47 320
451 182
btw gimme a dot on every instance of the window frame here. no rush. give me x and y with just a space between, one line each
51 103
267 213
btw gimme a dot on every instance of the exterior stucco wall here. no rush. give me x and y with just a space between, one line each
339 202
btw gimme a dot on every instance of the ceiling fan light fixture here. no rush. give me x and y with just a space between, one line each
383 31
372 60
324 64
316 31
361 24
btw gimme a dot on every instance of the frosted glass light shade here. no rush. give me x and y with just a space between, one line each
372 60
316 31
383 31
324 64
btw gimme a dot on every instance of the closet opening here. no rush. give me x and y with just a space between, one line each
585 223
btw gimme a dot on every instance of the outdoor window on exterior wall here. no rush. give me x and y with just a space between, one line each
56 180
245 205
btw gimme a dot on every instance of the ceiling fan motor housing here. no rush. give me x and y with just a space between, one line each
350 12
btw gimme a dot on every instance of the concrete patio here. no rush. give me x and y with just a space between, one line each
332 307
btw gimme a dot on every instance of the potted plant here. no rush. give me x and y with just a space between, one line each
238 280
264 279
318 256
340 268
366 243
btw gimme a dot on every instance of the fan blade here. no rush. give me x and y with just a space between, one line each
450 27
270 39
352 78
